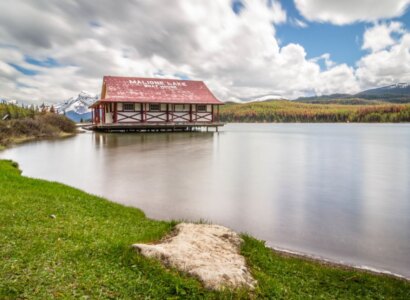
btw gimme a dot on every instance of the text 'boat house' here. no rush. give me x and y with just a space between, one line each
135 104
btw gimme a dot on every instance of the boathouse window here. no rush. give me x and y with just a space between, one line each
128 107
181 107
154 107
201 108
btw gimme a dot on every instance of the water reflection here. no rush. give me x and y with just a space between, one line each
341 191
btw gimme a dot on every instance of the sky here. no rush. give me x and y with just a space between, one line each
50 50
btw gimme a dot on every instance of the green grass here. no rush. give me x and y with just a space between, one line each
85 252
284 277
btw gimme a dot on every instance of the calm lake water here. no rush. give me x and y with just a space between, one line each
338 191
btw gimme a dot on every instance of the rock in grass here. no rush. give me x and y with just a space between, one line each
53 216
209 252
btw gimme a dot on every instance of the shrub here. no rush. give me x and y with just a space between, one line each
4 133
44 125
59 121
25 126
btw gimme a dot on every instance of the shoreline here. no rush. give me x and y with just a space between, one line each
88 236
337 264
278 250
15 141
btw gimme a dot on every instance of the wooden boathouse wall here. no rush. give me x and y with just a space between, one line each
143 103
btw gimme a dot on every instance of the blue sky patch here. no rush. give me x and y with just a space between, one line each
182 76
343 43
49 62
237 6
25 71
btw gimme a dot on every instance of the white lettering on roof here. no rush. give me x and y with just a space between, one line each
157 83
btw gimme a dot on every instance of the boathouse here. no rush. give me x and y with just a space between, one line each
135 104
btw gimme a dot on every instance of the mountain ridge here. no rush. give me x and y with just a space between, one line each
394 93
76 108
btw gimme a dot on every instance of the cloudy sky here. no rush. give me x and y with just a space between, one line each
243 49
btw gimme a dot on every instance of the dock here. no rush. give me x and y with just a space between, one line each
154 127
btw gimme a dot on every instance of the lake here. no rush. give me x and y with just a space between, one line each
335 191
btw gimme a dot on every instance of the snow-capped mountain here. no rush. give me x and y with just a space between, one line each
400 85
76 108
259 98
266 98
397 89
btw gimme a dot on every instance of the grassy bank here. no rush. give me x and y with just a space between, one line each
85 251
290 111
26 125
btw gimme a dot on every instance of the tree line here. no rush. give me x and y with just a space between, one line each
288 111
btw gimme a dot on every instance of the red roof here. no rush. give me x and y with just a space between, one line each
156 90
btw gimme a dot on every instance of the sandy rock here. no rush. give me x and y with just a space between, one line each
209 252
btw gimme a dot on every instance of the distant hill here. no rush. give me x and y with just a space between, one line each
76 108
351 100
325 97
395 93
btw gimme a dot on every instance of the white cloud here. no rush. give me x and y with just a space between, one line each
295 22
341 76
279 15
326 59
380 36
386 66
7 71
237 55
299 23
341 12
